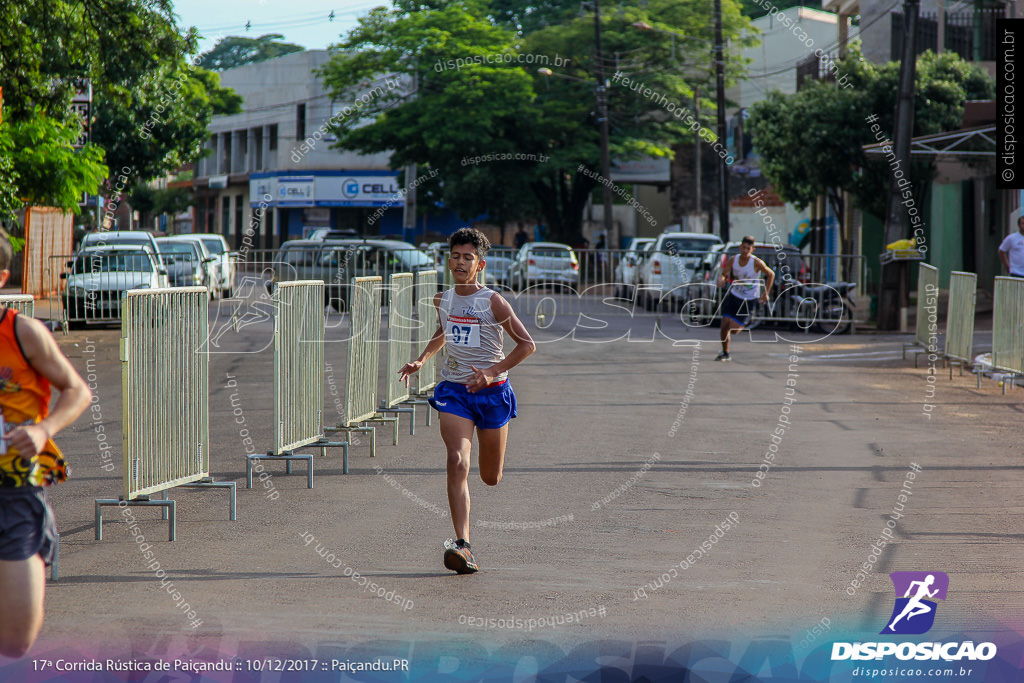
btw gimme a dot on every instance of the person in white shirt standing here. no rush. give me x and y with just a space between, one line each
1011 251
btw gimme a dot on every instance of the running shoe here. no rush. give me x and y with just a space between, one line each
723 356
458 557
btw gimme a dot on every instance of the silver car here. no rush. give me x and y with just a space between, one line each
98 277
188 263
545 263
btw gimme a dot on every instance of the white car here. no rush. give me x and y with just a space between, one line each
98 277
544 263
626 269
188 263
224 281
131 237
672 263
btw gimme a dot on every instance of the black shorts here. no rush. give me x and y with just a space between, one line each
27 527
737 309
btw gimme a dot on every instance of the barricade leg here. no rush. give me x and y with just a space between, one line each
363 430
55 565
324 444
423 402
287 456
394 425
209 483
409 409
141 501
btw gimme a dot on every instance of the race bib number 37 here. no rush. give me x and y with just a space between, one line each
463 331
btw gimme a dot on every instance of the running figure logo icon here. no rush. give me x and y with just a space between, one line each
914 613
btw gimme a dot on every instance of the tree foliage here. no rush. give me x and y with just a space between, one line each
49 170
234 51
135 56
811 141
472 90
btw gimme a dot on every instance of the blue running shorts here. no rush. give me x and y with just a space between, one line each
737 309
489 408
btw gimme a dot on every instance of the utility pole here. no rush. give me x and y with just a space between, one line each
611 238
892 300
696 153
723 168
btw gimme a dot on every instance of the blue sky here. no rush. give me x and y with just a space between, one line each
305 22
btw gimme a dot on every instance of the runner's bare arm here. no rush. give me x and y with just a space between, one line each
45 357
726 274
435 344
769 277
515 328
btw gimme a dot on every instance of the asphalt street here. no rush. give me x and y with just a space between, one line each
643 494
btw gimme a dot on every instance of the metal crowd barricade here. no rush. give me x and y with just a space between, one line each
426 324
400 347
298 377
963 288
1008 328
24 304
927 286
165 399
363 358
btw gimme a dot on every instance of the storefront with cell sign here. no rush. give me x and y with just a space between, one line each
367 202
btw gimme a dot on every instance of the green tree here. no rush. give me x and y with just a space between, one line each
811 141
238 50
134 54
472 89
46 169
160 124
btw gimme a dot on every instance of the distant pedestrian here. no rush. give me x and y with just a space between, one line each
521 237
1011 251
741 273
475 393
30 363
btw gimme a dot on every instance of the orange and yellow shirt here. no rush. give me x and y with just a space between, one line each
24 399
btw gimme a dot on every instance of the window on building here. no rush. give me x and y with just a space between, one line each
239 216
258 145
225 214
272 137
300 122
225 140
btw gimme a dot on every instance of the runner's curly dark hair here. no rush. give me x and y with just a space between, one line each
471 236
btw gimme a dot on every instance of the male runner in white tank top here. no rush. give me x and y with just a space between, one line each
742 270
475 393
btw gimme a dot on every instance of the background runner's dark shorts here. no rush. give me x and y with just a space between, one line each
26 524
489 408
736 308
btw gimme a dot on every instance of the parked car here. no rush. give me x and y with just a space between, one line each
188 263
672 262
544 263
130 237
337 262
626 269
98 277
330 234
224 283
499 262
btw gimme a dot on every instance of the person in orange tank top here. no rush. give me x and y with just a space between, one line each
30 363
